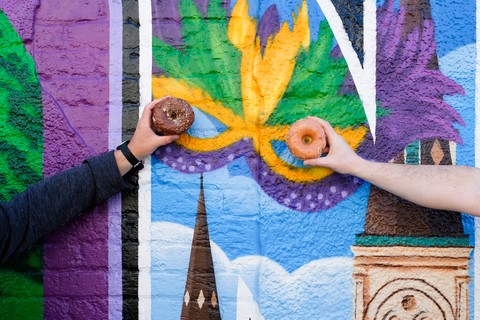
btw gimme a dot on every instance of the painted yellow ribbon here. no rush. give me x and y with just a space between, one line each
264 80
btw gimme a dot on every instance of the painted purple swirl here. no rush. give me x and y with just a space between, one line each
304 197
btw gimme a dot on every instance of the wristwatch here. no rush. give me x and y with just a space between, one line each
137 164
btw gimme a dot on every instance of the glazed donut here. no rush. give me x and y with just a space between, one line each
306 139
172 116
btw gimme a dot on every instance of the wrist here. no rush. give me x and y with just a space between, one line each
137 152
122 163
357 166
126 150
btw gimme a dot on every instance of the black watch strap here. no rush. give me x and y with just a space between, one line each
137 164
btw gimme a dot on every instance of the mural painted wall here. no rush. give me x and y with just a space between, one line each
225 223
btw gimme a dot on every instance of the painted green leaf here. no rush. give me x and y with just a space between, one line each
21 118
22 298
314 86
208 60
21 164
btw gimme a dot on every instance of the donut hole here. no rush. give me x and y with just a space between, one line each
172 114
307 139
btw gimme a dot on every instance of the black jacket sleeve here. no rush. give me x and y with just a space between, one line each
50 203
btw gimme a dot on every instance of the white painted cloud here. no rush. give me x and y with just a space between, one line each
321 289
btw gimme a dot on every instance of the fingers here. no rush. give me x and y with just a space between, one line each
153 103
147 111
327 127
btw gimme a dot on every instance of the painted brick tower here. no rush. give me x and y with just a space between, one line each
411 262
404 282
200 301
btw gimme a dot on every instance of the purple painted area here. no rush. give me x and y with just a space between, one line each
304 197
24 25
188 161
70 46
412 94
268 25
167 23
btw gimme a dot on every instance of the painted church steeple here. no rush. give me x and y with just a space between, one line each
200 300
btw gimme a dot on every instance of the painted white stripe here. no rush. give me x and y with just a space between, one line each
477 93
247 307
364 78
114 139
144 177
476 252
369 97
115 74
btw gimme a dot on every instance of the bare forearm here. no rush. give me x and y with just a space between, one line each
454 188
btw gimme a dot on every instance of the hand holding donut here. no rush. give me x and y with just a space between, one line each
340 156
145 141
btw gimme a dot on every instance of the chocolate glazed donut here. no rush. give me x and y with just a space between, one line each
172 116
306 139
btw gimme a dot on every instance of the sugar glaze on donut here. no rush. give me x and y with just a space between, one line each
306 139
172 116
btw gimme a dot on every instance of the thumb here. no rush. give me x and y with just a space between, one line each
318 162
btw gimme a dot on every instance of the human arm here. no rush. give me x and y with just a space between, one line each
50 203
455 188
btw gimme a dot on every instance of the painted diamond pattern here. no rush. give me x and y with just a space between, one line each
214 299
186 298
437 152
201 299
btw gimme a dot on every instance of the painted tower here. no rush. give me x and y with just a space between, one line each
411 262
200 301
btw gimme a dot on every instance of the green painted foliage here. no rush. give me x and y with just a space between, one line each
21 118
314 85
21 286
21 164
208 59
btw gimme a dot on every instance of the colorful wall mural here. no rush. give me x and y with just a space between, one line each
225 223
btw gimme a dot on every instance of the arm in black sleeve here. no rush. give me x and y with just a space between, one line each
50 203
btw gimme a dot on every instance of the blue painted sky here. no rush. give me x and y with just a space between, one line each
454 23
243 220
454 20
